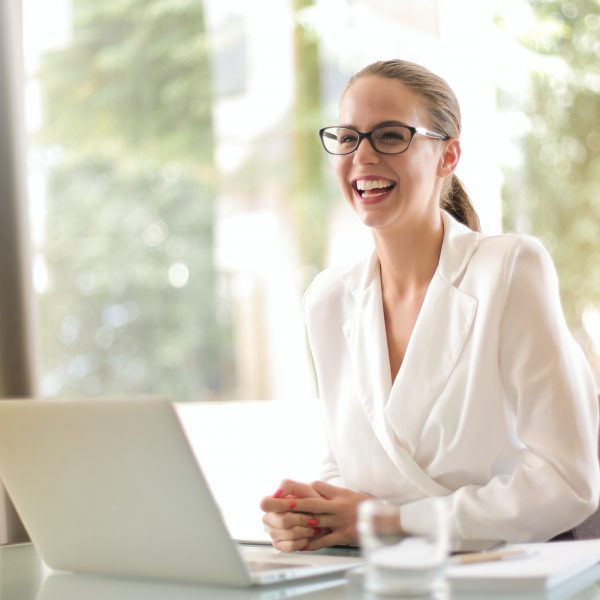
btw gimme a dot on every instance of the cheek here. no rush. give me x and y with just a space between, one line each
341 169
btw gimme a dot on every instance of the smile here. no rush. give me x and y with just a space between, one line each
372 189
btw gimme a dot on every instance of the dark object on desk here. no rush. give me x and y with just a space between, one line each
590 528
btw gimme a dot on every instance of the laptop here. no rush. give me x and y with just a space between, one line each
112 486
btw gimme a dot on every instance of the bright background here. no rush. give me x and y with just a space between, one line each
180 201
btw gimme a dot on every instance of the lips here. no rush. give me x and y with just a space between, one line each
372 189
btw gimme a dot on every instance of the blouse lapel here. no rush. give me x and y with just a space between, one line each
439 334
397 412
366 338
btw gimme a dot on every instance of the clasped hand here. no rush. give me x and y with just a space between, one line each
300 516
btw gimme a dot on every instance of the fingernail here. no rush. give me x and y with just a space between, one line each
312 522
293 504
317 531
278 493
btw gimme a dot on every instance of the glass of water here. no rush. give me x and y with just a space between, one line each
401 562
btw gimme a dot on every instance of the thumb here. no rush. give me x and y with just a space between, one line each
326 490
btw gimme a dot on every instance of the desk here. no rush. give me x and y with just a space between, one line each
23 576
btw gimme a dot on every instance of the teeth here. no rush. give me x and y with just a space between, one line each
371 184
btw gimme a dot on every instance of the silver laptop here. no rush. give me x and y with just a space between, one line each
112 486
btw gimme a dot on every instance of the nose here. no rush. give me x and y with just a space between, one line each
365 153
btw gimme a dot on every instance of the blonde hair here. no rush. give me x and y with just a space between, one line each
445 118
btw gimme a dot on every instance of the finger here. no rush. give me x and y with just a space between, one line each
319 532
293 533
288 490
291 545
324 541
278 505
295 489
294 519
288 520
279 539
316 506
326 489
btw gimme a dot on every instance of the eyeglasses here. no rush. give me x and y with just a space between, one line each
386 139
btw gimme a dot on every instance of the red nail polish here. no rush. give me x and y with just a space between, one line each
293 504
312 522
278 493
317 531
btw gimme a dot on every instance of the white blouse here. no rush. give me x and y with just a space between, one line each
494 406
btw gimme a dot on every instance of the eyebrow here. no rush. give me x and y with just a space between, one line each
382 124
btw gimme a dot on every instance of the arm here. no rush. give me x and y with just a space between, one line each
551 397
330 472
290 525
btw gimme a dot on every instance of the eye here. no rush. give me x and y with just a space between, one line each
347 137
392 135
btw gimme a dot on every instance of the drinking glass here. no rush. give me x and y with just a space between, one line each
404 561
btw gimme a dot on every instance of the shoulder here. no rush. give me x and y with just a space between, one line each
512 251
511 264
511 242
331 287
328 283
488 257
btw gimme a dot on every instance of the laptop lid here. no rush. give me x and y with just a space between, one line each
113 486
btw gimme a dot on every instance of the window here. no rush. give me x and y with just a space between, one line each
180 199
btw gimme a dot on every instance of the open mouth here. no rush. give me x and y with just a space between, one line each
369 188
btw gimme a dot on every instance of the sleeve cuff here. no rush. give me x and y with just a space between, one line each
415 516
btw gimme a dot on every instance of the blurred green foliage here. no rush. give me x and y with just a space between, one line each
131 304
310 203
134 302
559 188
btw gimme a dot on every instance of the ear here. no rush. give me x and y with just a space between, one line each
450 158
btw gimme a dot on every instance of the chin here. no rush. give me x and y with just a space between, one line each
372 221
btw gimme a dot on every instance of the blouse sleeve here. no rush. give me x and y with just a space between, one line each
551 396
330 471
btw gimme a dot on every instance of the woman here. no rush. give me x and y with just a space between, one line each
444 361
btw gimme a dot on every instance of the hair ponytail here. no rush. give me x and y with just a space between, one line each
456 201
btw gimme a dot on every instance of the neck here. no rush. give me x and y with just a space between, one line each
409 259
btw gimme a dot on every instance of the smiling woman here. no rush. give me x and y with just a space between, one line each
443 357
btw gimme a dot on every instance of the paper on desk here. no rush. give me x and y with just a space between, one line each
543 567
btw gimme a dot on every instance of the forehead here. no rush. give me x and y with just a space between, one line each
372 100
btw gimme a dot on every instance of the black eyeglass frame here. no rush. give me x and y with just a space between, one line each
367 135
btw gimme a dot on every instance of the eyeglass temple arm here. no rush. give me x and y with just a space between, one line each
431 134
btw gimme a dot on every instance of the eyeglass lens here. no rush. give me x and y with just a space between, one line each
391 140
